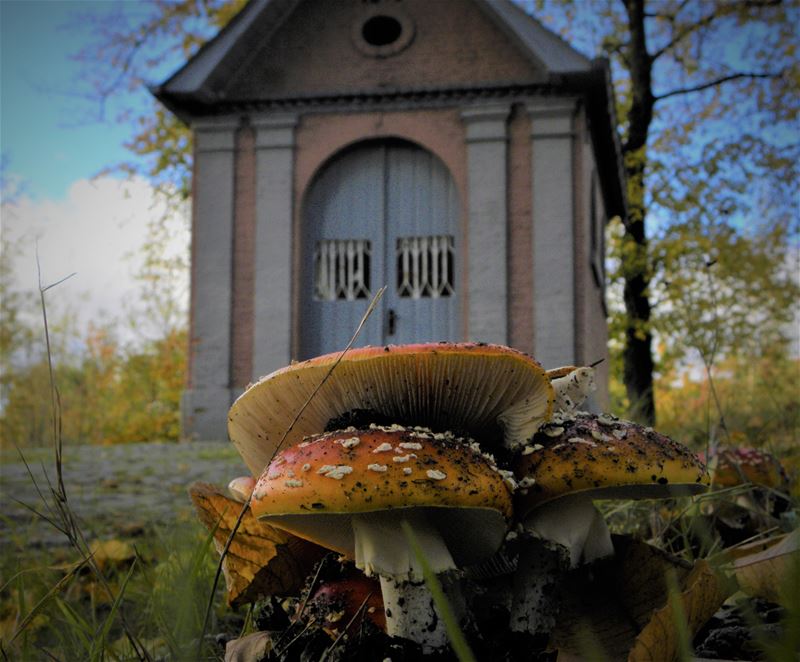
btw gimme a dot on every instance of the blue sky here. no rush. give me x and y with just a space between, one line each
46 139
54 143
50 134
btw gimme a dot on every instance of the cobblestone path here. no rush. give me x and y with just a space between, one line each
112 488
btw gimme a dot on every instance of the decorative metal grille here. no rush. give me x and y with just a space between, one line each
341 269
425 267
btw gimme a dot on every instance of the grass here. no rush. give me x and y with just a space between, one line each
157 595
62 611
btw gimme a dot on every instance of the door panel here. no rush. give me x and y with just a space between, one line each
422 219
380 213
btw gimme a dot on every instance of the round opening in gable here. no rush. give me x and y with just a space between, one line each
381 30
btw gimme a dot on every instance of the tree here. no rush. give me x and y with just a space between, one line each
707 99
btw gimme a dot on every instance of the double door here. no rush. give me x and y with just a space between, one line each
380 213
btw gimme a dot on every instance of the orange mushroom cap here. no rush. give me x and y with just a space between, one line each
467 386
603 457
311 489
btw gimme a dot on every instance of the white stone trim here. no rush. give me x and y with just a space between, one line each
215 134
487 271
206 402
552 180
275 140
274 130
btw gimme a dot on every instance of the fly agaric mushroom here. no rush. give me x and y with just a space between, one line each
240 488
737 466
345 600
350 490
571 386
438 385
573 461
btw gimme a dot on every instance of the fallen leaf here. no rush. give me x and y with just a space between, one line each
251 648
605 606
112 553
766 573
748 549
701 594
261 560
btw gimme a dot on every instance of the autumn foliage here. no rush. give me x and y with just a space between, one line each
109 393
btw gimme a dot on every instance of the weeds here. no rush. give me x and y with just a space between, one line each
155 603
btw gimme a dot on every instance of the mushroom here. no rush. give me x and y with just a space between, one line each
749 510
345 600
571 462
474 387
738 466
571 386
350 490
240 488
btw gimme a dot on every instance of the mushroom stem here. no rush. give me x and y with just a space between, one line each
382 549
411 614
533 604
574 523
580 535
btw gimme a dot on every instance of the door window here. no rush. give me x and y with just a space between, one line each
342 269
425 266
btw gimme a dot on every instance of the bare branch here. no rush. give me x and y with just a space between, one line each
717 81
680 35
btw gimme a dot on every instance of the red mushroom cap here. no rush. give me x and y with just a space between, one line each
738 466
312 489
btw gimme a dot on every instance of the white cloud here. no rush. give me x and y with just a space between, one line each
96 231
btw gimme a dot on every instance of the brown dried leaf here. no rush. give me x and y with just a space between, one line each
765 573
606 606
261 560
702 593
251 648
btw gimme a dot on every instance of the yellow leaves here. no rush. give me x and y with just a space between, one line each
768 573
672 627
112 553
621 607
261 560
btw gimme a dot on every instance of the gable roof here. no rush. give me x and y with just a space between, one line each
198 87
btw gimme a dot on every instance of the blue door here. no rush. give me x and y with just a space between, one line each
380 213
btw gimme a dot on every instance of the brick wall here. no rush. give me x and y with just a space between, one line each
314 52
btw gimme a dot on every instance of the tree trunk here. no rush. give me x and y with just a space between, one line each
637 355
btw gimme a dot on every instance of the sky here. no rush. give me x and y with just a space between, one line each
54 144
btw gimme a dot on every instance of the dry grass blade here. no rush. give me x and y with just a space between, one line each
246 505
62 517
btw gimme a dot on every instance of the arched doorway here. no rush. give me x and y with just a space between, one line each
380 213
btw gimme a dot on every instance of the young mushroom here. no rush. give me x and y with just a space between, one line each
350 490
241 487
574 461
477 388
571 386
